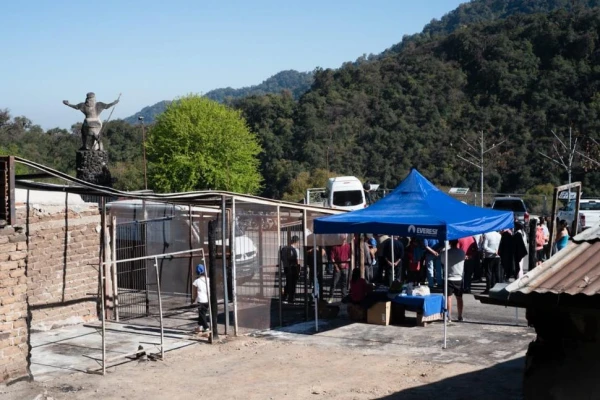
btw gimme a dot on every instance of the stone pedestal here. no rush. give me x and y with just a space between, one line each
92 166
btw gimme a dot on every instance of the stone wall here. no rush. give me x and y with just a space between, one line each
62 265
14 335
48 276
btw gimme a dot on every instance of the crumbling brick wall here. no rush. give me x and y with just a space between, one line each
48 276
62 265
14 334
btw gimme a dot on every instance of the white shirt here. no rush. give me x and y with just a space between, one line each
202 284
490 244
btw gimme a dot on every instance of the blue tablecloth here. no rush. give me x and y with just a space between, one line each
429 305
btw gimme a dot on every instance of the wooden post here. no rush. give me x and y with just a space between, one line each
531 250
576 216
552 227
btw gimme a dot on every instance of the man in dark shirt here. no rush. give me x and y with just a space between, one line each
393 260
291 268
340 257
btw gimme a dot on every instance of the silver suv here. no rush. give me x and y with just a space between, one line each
514 204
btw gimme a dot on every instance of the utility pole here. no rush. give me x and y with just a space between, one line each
478 160
564 159
141 119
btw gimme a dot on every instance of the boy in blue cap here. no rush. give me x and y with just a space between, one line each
200 294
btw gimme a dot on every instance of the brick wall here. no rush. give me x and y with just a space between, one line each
62 265
14 346
53 275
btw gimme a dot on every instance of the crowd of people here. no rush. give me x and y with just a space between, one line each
494 257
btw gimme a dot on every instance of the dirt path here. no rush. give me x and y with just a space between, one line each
264 368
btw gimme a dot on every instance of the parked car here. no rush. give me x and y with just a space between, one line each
514 204
589 213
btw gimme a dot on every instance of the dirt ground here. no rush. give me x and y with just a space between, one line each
267 368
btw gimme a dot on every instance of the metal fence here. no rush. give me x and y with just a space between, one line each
251 282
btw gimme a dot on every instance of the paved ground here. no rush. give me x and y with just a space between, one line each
61 352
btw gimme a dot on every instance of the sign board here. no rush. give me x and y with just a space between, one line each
565 195
461 191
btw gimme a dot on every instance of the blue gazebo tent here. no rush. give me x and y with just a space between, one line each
418 209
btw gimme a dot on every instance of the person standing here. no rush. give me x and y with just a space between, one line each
540 241
478 271
432 260
366 254
469 246
372 244
415 254
456 263
291 268
381 239
340 257
562 239
506 251
200 295
490 242
520 242
393 262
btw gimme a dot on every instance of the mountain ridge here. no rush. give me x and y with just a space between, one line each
294 81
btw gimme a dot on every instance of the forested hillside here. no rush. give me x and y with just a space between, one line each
516 79
483 11
295 82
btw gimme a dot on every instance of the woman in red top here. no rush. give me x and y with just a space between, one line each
358 287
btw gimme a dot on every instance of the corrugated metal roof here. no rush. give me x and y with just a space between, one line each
573 270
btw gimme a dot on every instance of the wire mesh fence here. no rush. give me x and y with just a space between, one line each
266 294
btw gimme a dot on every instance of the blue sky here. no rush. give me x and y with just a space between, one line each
155 49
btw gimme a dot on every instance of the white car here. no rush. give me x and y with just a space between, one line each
590 208
568 212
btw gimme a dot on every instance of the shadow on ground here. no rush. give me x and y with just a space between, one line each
505 378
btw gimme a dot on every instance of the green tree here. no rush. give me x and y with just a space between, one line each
199 144
305 180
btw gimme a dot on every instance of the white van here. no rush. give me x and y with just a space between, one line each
345 193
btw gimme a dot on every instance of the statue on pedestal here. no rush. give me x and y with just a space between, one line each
92 126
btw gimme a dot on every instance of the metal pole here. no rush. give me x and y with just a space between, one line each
233 274
190 285
102 300
160 311
482 152
113 256
445 292
316 282
306 263
206 275
279 268
224 256
144 151
393 259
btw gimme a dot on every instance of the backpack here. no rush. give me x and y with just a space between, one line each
539 237
288 257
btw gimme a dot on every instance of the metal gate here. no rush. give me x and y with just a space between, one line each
131 276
